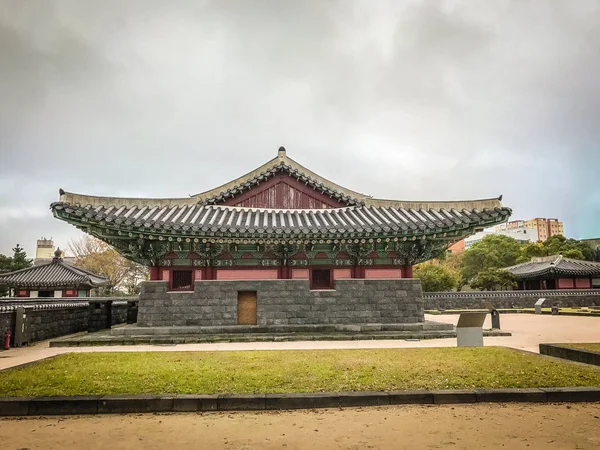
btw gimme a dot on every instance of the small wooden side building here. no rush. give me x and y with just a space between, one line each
556 272
54 279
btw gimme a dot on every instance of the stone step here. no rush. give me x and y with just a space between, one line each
133 330
94 339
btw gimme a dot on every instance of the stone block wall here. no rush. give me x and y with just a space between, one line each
283 302
53 322
7 322
50 319
119 312
510 299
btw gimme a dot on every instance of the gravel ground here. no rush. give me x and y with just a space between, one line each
510 426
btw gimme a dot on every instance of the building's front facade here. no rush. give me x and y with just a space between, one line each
545 227
280 221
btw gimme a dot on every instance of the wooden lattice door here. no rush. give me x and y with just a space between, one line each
247 308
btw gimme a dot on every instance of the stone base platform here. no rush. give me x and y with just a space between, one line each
285 329
132 335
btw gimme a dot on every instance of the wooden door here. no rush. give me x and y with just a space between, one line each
247 308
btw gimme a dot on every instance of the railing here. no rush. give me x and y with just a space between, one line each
515 294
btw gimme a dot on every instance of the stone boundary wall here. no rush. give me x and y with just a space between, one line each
283 302
510 299
127 404
571 353
58 317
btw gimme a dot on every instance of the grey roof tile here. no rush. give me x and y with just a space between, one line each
56 273
554 265
199 219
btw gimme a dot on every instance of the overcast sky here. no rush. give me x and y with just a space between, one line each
415 100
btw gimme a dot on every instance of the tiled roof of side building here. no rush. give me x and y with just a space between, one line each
53 274
197 220
554 265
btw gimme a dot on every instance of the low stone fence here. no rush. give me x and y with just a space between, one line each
51 318
570 353
510 299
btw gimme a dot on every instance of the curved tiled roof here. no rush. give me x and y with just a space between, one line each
554 265
54 274
212 220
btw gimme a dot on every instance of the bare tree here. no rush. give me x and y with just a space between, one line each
96 256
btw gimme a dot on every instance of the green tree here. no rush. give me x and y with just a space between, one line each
493 279
531 250
555 245
492 252
5 266
19 259
435 278
573 253
560 244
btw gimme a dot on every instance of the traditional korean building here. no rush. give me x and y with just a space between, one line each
556 272
52 279
279 221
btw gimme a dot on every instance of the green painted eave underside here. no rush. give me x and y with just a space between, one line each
114 230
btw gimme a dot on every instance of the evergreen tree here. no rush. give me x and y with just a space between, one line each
5 266
19 259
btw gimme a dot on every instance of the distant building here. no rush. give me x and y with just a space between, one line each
457 247
546 227
523 236
44 252
56 278
556 272
44 249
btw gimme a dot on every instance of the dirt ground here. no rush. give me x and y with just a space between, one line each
510 426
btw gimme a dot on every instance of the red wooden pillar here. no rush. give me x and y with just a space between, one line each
407 271
284 273
154 273
360 272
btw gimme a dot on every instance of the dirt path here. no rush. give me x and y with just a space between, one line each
510 426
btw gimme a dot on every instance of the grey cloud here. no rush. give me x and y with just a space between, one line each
413 99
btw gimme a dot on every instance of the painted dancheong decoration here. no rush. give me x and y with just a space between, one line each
280 221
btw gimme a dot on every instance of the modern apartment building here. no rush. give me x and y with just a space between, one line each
544 227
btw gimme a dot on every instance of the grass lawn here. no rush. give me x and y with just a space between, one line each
291 371
589 347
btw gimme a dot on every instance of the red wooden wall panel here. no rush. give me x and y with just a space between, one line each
283 192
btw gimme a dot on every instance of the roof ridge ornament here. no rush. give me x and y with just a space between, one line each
281 152
57 255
